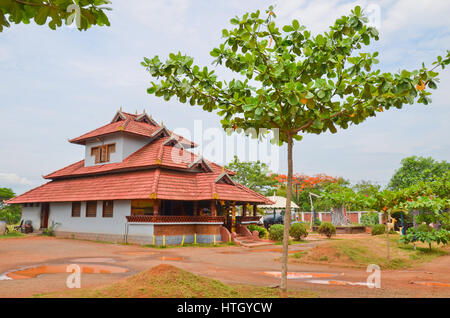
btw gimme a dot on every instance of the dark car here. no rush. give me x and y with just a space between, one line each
271 220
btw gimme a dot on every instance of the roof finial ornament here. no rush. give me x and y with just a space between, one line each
136 111
162 124
223 169
120 108
143 111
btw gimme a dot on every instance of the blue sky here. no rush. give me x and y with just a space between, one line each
56 85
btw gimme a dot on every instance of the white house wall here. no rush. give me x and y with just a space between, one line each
61 213
125 146
33 214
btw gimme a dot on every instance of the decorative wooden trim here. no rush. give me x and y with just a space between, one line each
174 219
225 178
201 163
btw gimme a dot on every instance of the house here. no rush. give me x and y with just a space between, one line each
139 182
278 207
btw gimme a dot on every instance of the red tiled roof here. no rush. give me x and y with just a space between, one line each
128 125
159 183
152 155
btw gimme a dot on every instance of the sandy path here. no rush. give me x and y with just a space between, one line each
229 264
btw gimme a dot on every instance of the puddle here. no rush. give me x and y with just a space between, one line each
338 283
433 284
296 275
35 271
93 260
139 253
169 258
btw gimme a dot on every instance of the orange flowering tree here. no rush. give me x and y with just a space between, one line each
302 184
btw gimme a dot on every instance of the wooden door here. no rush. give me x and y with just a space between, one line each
44 215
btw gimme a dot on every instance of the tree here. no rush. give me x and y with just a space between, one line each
366 187
385 201
253 174
415 169
292 81
85 12
9 213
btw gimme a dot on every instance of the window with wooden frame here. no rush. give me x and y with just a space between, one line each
76 209
108 207
102 153
91 209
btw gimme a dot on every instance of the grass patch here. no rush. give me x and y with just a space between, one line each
360 252
292 242
12 234
166 281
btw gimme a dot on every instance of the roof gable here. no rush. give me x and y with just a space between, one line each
200 164
224 178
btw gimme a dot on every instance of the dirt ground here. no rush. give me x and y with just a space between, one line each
230 264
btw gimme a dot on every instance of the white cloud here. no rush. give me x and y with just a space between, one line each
13 179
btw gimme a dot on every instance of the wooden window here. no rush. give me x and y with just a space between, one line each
91 209
76 209
108 207
102 153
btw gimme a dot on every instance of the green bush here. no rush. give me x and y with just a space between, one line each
369 219
426 234
379 229
276 232
424 228
317 222
328 229
298 231
262 232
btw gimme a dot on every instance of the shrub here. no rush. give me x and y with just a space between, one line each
369 219
317 222
379 229
298 231
328 229
261 230
276 232
426 234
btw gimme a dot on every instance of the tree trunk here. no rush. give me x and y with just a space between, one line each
387 236
287 221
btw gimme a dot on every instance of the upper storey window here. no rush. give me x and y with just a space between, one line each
102 153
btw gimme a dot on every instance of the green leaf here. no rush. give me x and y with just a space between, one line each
288 28
295 24
41 16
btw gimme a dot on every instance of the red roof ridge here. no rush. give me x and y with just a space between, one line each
153 194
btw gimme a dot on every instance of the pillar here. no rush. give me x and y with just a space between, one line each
233 218
254 209
155 207
244 210
213 208
195 207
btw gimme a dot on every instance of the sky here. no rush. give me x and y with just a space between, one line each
57 85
